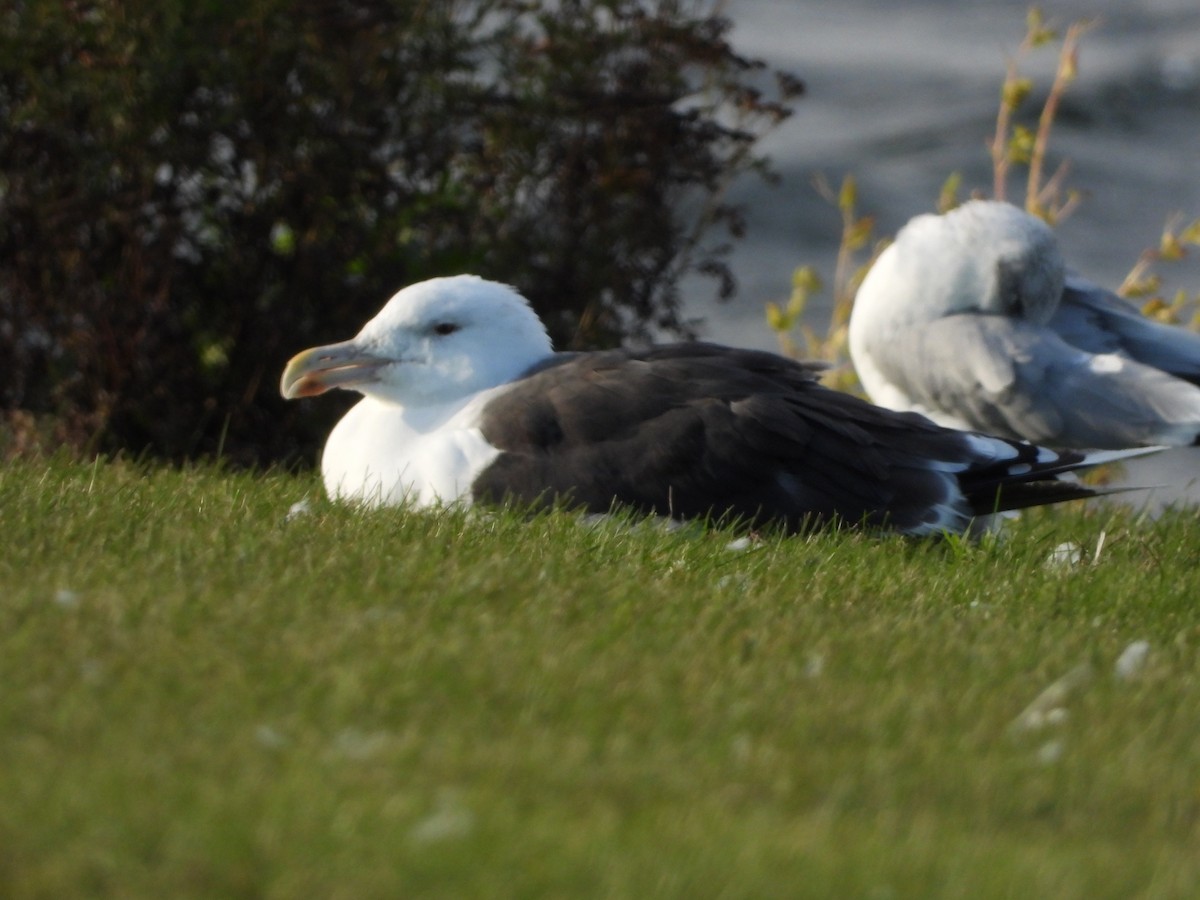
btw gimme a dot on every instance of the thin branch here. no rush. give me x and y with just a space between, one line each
1068 67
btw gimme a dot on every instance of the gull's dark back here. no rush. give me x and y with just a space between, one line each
700 430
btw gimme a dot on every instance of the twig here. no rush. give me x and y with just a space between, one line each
1068 68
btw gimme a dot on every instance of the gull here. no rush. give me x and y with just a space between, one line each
972 319
465 402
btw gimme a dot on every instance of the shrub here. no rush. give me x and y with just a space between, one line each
190 192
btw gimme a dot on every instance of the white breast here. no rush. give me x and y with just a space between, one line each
381 454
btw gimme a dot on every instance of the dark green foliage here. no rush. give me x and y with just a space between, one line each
192 191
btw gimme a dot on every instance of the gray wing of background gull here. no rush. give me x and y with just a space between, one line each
1098 321
970 319
1017 380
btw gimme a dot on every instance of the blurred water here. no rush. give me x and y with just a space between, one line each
902 95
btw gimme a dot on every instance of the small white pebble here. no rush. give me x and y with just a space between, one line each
741 748
298 510
738 545
66 599
1064 556
269 737
1056 716
1032 720
1048 707
814 666
91 671
1132 659
358 746
449 819
1050 752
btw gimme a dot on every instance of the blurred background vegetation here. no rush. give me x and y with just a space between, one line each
193 190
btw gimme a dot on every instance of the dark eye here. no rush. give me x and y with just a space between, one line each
444 328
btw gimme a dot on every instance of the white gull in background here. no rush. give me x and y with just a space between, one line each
465 402
971 319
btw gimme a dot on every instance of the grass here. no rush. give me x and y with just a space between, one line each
200 697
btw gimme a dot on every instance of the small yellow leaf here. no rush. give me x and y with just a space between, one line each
1020 145
777 320
1191 234
948 196
1170 248
1038 32
848 196
1145 287
1068 66
806 280
1042 36
797 303
859 233
1015 91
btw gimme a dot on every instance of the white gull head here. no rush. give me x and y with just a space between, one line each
433 343
983 257
424 364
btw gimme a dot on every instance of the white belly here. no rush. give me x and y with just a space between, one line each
385 455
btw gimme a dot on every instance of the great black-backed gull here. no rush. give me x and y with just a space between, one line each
971 319
465 402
